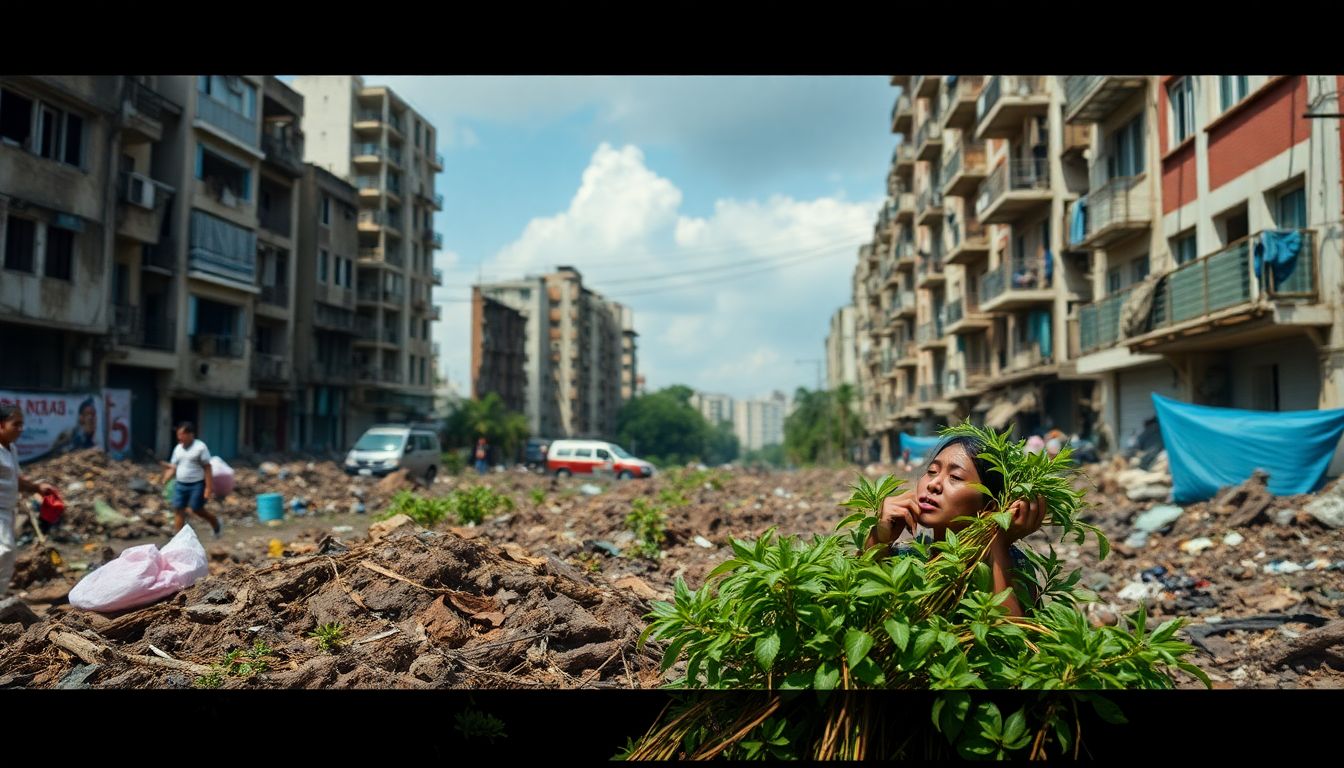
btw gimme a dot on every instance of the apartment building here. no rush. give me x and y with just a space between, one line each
758 423
371 137
1072 244
498 351
714 407
841 350
576 346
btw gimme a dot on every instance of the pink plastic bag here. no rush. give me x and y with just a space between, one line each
141 575
221 477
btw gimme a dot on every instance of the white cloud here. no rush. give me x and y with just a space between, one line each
755 282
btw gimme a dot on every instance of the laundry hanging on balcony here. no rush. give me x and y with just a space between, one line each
1078 221
920 447
1038 330
1138 306
1279 249
1212 448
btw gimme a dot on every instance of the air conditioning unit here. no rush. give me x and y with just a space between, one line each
140 190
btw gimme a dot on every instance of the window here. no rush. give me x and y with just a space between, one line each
349 278
60 253
1292 209
322 256
1183 248
19 237
60 134
230 90
225 178
603 455
16 117
1181 93
326 211
1138 269
584 453
1113 280
423 370
1232 89
1126 150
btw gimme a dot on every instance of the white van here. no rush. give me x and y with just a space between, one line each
583 457
385 448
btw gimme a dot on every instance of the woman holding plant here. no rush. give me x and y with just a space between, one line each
956 486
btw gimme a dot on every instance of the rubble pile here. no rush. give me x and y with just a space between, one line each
415 608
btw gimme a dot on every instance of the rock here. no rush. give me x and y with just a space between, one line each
139 485
78 678
588 489
1157 518
1281 567
703 542
1149 493
395 481
1248 500
1283 516
1137 540
1133 478
73 488
603 546
382 528
1328 508
268 468
1233 539
14 610
1195 546
638 586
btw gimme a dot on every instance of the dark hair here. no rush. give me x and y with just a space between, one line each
187 426
989 476
88 403
9 411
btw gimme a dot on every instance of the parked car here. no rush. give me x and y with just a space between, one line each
385 448
583 457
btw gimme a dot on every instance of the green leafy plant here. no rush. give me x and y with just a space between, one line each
425 511
475 724
453 462
246 662
647 521
538 496
473 505
784 614
329 636
212 679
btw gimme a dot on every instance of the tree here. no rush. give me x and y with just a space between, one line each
663 427
821 426
772 455
488 418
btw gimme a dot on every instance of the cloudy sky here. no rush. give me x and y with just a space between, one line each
726 211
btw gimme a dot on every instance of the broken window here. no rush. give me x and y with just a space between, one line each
16 117
60 253
19 238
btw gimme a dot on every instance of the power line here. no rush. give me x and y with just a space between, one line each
796 261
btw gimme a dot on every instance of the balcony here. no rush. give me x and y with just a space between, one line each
929 273
160 258
977 374
275 295
907 353
901 114
1077 140
965 318
903 158
389 256
930 335
143 204
436 312
371 153
1091 98
333 371
905 254
1099 322
144 111
132 328
1197 304
964 170
223 249
216 345
929 140
241 127
905 207
435 201
929 208
372 295
1120 208
433 238
436 161
373 221
1013 189
965 240
285 151
1026 357
438 276
959 102
1006 101
929 393
924 86
269 369
902 303
331 318
1003 289
902 80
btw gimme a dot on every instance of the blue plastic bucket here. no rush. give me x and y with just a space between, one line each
270 506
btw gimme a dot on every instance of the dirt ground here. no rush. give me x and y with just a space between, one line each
551 593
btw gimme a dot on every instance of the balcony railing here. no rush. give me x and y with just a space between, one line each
133 328
275 295
930 331
270 368
1013 176
999 85
1099 322
386 255
928 131
1027 356
930 264
233 123
967 88
1019 276
1233 276
285 149
929 200
150 103
365 327
216 345
953 311
902 104
369 115
977 372
930 392
1121 203
1078 86
438 276
903 153
434 238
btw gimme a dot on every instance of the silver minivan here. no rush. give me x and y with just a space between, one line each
386 448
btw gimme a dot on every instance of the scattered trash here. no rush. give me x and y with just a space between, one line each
604 546
1195 546
276 548
1282 566
1328 509
1158 518
1233 539
588 489
703 542
342 529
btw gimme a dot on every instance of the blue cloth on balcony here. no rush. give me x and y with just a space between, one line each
920 448
1078 222
1038 330
1278 248
1211 448
1049 268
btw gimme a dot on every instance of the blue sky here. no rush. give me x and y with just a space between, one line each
657 189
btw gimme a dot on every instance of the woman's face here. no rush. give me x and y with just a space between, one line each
88 419
943 491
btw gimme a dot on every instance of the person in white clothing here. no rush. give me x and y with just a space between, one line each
11 485
194 485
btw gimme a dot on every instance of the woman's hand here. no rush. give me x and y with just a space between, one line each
1028 517
898 514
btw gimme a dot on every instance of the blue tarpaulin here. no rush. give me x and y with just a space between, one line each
1278 249
1210 448
919 447
1078 223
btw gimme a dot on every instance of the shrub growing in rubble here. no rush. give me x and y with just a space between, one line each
647 521
826 614
473 505
469 505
